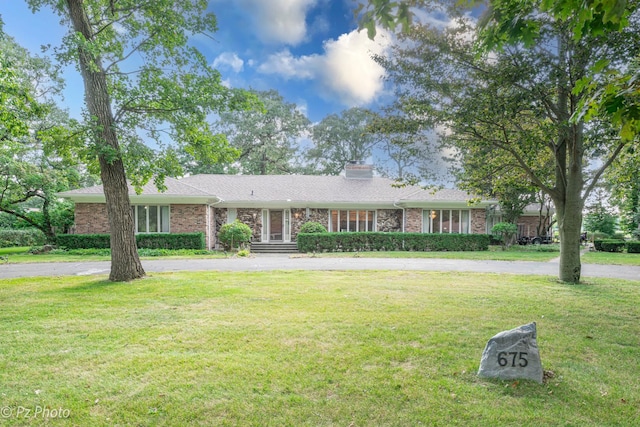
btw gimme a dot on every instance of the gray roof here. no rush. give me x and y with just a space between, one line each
290 190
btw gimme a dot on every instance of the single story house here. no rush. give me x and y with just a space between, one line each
276 206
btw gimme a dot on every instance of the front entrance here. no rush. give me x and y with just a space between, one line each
276 225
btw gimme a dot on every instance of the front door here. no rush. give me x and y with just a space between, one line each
276 224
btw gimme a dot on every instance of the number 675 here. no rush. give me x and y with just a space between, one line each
513 356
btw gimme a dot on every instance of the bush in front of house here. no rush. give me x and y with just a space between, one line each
171 241
506 232
633 247
609 245
234 235
10 238
313 227
379 241
149 241
83 241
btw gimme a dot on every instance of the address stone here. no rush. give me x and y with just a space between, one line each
512 355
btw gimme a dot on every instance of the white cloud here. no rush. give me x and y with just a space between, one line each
286 65
229 60
279 21
345 70
350 70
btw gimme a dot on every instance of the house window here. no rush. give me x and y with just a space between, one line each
151 218
352 220
446 221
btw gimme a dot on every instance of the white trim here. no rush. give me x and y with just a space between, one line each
286 225
265 226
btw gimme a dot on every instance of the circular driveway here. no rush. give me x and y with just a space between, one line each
286 262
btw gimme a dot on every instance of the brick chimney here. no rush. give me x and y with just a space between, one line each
358 170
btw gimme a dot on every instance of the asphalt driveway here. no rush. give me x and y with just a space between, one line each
285 262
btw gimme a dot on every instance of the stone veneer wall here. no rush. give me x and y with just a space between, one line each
389 220
478 221
219 218
299 217
253 218
91 218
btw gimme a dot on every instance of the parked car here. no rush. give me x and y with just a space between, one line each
535 240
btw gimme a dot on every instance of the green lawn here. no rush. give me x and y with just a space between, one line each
314 348
540 253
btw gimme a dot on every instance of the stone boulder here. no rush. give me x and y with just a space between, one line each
512 355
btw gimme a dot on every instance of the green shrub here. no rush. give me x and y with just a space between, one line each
83 241
243 253
22 237
610 245
378 241
171 241
312 227
506 231
633 247
150 241
234 235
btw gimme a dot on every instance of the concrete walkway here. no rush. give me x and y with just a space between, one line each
285 262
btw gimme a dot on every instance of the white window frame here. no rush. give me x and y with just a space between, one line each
232 215
159 220
427 220
370 214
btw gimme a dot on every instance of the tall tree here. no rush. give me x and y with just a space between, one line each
520 99
30 126
623 183
406 146
339 139
267 139
142 80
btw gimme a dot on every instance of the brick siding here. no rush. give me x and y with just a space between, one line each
91 218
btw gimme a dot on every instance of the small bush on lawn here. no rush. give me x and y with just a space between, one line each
10 238
234 235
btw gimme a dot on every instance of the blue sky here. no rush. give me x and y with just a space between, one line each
308 50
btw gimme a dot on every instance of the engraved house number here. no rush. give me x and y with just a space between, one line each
515 358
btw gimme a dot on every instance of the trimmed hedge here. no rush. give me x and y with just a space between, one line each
148 241
609 245
171 241
22 237
633 247
379 241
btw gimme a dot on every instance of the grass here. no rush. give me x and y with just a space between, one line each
315 348
22 255
611 258
540 253
515 253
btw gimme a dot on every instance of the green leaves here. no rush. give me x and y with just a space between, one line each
389 14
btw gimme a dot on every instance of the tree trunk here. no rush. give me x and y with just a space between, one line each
569 215
125 263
